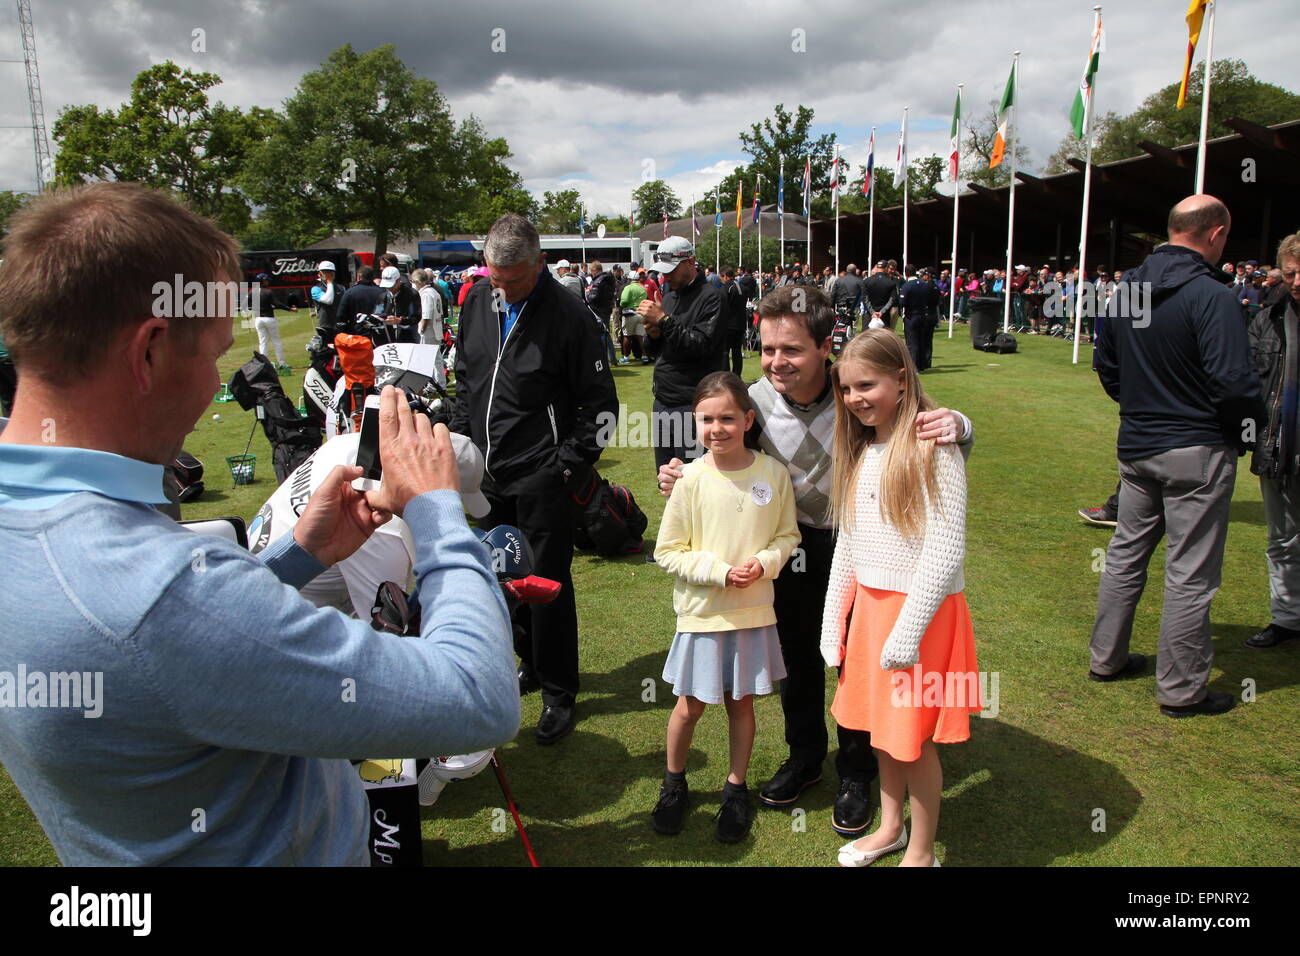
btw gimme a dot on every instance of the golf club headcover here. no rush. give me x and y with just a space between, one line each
512 558
532 589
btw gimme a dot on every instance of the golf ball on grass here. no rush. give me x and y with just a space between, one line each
216 418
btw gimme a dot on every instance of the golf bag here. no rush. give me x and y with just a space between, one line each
1000 342
319 380
841 332
607 519
293 438
357 357
397 788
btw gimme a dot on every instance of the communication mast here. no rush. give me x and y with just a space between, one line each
44 164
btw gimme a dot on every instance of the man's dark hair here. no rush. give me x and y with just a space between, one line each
366 274
388 259
815 313
728 272
1198 220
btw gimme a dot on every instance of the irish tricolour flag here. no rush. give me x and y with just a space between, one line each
1079 112
1004 117
954 146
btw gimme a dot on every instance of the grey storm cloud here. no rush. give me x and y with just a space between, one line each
583 91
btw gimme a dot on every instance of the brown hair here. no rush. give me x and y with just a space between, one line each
1289 248
731 385
82 264
805 304
907 475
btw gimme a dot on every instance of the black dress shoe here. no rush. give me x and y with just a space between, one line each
1272 636
1136 665
556 723
1215 702
528 681
792 779
852 808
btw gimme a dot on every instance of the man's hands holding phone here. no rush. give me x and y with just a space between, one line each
417 457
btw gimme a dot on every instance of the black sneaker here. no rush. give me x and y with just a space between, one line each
734 816
1271 636
1102 517
1215 702
792 779
669 813
852 808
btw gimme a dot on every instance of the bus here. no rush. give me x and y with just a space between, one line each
292 272
456 255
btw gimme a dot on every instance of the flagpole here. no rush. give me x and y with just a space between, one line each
781 257
740 225
1205 103
1087 193
903 157
956 205
717 233
807 224
1011 212
758 181
836 197
582 231
871 215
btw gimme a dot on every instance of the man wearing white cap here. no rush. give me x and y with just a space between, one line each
402 310
691 332
564 272
326 294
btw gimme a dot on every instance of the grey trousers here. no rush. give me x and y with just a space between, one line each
1183 494
1282 513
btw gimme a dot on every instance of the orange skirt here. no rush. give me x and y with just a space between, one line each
902 709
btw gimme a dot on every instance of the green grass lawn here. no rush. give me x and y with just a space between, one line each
1069 772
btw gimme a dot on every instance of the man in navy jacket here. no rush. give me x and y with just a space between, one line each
1174 354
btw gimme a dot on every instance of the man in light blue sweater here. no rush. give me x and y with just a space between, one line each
167 698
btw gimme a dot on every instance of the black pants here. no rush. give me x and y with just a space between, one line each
736 348
672 430
537 504
919 331
800 597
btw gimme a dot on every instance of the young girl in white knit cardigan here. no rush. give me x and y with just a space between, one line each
908 674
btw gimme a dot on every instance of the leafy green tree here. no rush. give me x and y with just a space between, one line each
559 212
787 137
1234 93
497 189
366 143
611 223
10 203
169 136
653 199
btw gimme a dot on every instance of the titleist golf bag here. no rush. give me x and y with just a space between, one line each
293 437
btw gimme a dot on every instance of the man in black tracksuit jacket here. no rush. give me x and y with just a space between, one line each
1189 399
690 327
533 388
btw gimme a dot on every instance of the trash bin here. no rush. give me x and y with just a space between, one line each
985 317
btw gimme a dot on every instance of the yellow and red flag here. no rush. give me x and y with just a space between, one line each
1195 17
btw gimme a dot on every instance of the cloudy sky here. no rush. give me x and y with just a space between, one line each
587 93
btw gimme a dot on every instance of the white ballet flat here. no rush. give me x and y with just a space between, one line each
849 856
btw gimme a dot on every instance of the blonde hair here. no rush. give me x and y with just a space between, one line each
907 476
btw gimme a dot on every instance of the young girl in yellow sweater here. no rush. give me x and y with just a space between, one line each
727 530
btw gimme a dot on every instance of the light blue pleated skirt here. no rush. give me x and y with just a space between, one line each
739 663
